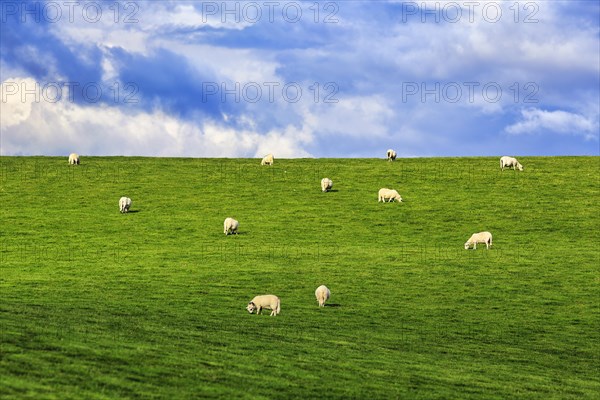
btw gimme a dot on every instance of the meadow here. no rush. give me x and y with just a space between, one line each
95 304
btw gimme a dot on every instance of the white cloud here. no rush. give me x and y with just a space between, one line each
134 26
42 127
537 121
15 109
229 64
444 51
158 15
92 35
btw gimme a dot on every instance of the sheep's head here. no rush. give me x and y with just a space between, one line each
251 307
520 167
467 244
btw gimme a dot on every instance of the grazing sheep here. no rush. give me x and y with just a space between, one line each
322 293
481 237
124 204
507 162
389 194
230 226
326 184
267 301
391 155
267 160
73 159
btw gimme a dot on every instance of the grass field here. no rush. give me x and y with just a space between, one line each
151 304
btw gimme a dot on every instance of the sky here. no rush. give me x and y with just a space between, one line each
300 79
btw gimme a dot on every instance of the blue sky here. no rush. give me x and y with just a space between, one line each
300 79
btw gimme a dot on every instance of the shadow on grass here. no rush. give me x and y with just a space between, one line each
132 212
333 305
239 233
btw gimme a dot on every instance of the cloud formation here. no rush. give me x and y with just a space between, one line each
57 128
538 121
322 79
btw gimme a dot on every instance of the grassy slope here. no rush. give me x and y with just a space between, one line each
95 304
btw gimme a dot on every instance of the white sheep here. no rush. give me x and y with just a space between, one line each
73 159
124 204
322 294
391 155
267 301
389 194
267 160
481 237
507 162
326 184
230 226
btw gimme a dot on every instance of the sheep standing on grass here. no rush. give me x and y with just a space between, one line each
388 194
322 294
326 184
507 162
73 159
230 226
391 155
124 204
267 301
481 237
267 160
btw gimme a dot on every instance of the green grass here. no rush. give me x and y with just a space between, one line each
151 304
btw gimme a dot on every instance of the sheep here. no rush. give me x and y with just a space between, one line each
326 184
73 159
322 294
391 155
481 237
124 204
508 162
230 226
267 160
267 301
389 194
